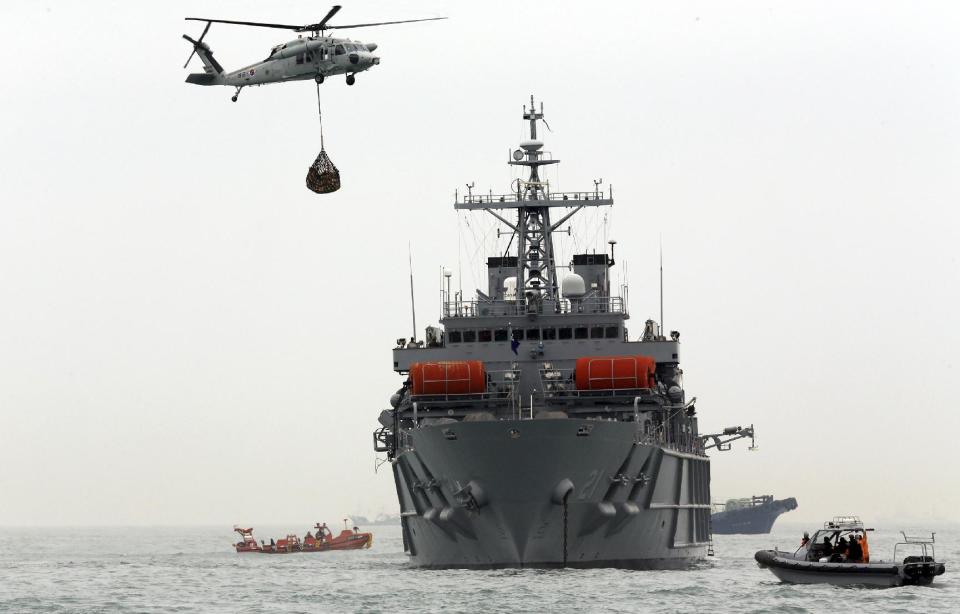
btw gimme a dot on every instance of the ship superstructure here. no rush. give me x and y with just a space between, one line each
531 430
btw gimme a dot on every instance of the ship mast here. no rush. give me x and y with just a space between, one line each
536 266
536 269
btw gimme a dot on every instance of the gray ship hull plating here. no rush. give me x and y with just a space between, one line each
549 493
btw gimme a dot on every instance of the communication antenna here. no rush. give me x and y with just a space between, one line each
447 273
413 306
662 327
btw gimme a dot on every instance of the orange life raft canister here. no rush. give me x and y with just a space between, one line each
449 377
615 372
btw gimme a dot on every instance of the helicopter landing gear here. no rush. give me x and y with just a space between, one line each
318 78
351 79
237 93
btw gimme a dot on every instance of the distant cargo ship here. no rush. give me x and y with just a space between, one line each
380 520
752 515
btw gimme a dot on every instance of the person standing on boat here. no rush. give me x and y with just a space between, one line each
855 552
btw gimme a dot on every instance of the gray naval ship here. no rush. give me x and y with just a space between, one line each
754 515
531 429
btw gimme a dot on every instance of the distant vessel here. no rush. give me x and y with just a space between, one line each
380 520
751 515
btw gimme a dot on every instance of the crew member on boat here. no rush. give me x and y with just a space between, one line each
842 548
855 550
827 549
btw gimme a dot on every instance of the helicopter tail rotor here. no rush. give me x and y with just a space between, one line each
197 44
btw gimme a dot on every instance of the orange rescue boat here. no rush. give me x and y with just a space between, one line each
323 540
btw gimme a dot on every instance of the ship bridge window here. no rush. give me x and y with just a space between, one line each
338 50
533 334
518 334
454 336
612 332
549 334
469 336
596 332
500 335
580 332
566 333
484 336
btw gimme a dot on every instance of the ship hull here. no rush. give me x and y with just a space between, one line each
549 493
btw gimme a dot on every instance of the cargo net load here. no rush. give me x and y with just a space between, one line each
323 176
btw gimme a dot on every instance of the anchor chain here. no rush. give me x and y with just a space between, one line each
565 497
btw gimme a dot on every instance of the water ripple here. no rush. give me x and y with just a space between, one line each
164 570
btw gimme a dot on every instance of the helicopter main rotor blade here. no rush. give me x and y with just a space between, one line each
246 23
321 25
381 23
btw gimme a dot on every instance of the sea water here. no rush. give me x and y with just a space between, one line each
196 570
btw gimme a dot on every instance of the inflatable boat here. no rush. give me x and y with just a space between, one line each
839 554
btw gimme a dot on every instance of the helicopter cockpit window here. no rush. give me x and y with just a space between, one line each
338 50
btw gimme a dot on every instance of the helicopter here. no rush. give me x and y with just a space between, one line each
316 56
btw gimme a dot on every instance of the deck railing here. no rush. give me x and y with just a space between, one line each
522 306
514 197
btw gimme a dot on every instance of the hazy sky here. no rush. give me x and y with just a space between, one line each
188 335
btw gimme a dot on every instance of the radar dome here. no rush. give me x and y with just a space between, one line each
573 286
